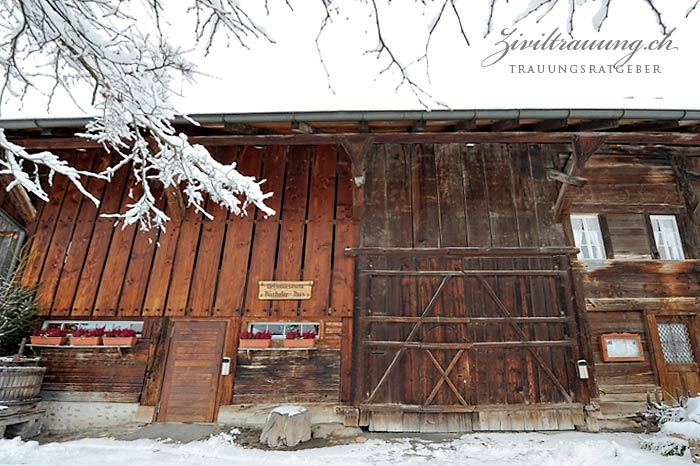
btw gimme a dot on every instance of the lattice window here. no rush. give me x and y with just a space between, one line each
675 343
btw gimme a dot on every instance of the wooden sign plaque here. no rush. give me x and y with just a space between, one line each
621 347
269 291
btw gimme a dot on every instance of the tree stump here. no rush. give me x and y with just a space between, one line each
286 426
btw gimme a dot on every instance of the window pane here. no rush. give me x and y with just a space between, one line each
675 343
666 237
587 236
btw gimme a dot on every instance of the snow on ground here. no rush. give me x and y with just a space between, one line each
561 449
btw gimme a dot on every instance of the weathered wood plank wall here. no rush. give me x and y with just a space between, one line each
457 195
85 267
624 191
488 195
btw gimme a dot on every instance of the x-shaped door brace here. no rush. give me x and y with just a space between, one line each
444 374
414 330
535 354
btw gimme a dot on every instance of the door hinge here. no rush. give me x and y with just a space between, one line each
172 332
158 409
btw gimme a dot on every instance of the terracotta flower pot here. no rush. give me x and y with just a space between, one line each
86 341
300 343
35 340
119 341
246 343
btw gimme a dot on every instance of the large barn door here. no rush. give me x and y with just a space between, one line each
441 340
192 373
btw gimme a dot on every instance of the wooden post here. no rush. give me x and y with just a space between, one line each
20 199
357 147
584 145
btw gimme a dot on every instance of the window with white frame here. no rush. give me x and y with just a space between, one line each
588 237
279 329
666 237
70 325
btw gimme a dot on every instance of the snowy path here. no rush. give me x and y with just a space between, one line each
566 449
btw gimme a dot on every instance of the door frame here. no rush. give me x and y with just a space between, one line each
224 386
657 359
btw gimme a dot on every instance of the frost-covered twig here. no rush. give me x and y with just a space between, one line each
132 73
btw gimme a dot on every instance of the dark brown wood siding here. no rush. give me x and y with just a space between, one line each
86 268
486 195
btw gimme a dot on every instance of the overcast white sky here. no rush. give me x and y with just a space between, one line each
288 75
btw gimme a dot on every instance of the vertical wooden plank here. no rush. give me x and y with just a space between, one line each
102 234
319 230
453 226
346 360
293 221
188 242
201 299
41 240
399 233
230 350
502 218
161 270
156 330
262 264
231 282
112 280
541 159
372 227
347 235
61 238
477 197
82 236
522 195
138 269
424 192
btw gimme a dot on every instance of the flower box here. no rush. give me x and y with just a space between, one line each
119 341
254 340
86 341
54 341
253 343
300 343
119 337
49 336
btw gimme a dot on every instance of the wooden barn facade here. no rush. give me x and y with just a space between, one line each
472 270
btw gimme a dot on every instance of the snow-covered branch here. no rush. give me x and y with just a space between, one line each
132 72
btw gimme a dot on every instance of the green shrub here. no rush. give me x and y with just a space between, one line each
18 311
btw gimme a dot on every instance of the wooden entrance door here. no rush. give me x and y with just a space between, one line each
675 343
192 373
443 336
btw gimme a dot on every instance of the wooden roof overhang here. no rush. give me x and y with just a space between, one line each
619 127
579 133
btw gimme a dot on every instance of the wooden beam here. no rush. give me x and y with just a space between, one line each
240 128
465 125
594 125
419 126
302 127
20 200
357 147
472 252
648 150
504 125
584 146
566 179
477 137
547 125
